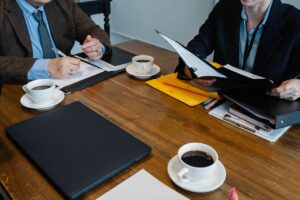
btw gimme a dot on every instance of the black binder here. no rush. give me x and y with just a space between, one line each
75 148
281 112
116 57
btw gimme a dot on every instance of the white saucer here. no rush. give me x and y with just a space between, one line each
207 185
130 70
56 99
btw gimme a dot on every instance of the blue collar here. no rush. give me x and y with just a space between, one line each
27 8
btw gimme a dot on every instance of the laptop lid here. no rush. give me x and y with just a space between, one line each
76 148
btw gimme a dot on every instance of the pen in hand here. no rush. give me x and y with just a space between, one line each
77 57
63 67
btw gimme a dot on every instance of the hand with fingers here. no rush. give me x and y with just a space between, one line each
63 67
289 89
92 48
199 81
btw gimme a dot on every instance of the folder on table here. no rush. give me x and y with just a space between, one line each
181 91
75 148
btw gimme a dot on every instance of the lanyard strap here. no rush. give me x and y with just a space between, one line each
248 47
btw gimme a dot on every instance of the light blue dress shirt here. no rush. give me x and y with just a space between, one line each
40 68
243 38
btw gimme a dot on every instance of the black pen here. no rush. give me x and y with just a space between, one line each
59 52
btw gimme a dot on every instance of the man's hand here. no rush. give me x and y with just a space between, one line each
199 81
63 67
289 90
92 48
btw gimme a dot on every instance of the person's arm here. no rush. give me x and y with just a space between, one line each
93 48
39 70
62 67
289 89
202 44
15 69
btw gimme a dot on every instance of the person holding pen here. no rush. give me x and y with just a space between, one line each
259 36
31 28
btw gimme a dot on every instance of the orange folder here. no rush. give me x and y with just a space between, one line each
180 90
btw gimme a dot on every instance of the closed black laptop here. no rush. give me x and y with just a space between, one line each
76 148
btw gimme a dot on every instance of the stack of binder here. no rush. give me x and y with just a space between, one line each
280 112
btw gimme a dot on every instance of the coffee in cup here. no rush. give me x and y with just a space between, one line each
40 91
142 64
197 160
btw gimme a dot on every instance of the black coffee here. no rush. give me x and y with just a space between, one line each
142 61
41 87
197 158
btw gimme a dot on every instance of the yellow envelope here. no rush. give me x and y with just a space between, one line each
181 91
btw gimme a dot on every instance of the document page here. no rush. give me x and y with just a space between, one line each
86 70
142 186
200 68
242 72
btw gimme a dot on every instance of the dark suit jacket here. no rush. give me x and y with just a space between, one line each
278 54
66 21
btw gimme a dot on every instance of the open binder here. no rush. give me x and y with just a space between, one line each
245 89
228 77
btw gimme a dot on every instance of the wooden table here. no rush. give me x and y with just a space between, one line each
259 169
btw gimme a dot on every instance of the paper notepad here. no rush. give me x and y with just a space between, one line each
179 90
142 186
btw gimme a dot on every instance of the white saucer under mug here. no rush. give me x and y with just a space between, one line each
58 96
130 69
207 185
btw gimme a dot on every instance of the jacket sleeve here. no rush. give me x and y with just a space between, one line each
203 43
294 61
15 69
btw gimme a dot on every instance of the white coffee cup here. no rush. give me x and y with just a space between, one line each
142 64
40 91
193 172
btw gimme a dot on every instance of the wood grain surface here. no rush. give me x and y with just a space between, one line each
259 169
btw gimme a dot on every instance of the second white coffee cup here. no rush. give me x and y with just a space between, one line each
40 91
142 64
198 162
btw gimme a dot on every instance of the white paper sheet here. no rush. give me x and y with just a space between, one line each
201 69
87 71
142 186
221 110
242 72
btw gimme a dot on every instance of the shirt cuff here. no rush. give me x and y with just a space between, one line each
102 48
39 70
